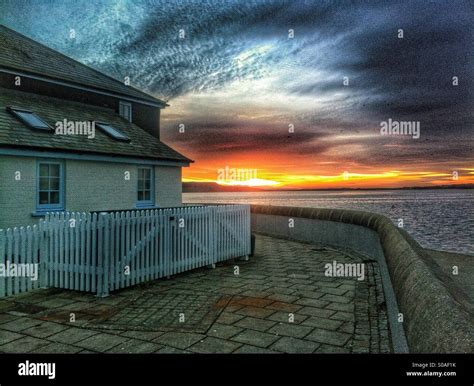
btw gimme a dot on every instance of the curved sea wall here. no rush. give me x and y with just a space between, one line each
433 321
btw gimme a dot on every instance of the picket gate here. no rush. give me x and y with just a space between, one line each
107 251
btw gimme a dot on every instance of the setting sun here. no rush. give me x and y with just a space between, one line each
250 182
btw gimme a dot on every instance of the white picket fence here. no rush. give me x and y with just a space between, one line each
102 252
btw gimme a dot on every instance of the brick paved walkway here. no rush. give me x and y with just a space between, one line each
280 301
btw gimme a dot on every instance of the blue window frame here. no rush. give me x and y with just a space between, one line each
50 186
29 118
145 186
125 110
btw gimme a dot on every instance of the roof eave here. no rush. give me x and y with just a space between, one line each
151 101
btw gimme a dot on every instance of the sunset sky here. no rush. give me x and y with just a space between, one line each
236 80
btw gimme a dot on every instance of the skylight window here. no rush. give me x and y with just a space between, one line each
29 118
112 132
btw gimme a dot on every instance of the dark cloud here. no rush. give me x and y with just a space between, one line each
402 79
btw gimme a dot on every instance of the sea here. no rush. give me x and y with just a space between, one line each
440 219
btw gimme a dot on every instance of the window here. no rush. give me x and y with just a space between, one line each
125 110
29 118
112 132
50 186
145 187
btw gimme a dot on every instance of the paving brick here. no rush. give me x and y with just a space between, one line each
229 318
142 335
314 311
290 329
135 346
285 317
345 316
292 345
325 348
247 349
57 348
54 303
255 324
254 302
4 318
223 331
336 291
214 345
312 294
172 350
325 323
44 329
255 312
8 336
312 302
180 340
279 297
23 345
255 338
72 335
337 299
328 337
101 342
281 306
20 324
281 290
347 327
346 307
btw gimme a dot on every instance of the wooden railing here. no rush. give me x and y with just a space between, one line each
102 252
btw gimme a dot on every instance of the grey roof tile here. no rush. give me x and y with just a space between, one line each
15 133
21 53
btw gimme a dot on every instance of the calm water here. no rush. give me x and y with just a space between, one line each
437 219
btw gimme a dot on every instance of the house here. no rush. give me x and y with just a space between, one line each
72 138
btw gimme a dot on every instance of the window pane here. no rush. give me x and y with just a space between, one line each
113 132
125 111
54 197
43 198
49 185
144 184
53 170
44 170
54 183
32 120
43 185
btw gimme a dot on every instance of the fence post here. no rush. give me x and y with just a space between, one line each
213 233
44 254
246 232
103 256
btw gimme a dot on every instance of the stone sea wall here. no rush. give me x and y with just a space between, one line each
433 320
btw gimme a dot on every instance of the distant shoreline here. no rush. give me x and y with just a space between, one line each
211 187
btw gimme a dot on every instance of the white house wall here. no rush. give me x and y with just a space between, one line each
89 186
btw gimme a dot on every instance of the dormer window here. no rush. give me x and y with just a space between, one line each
29 118
112 131
125 110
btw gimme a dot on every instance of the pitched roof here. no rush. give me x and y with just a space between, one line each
20 53
15 133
